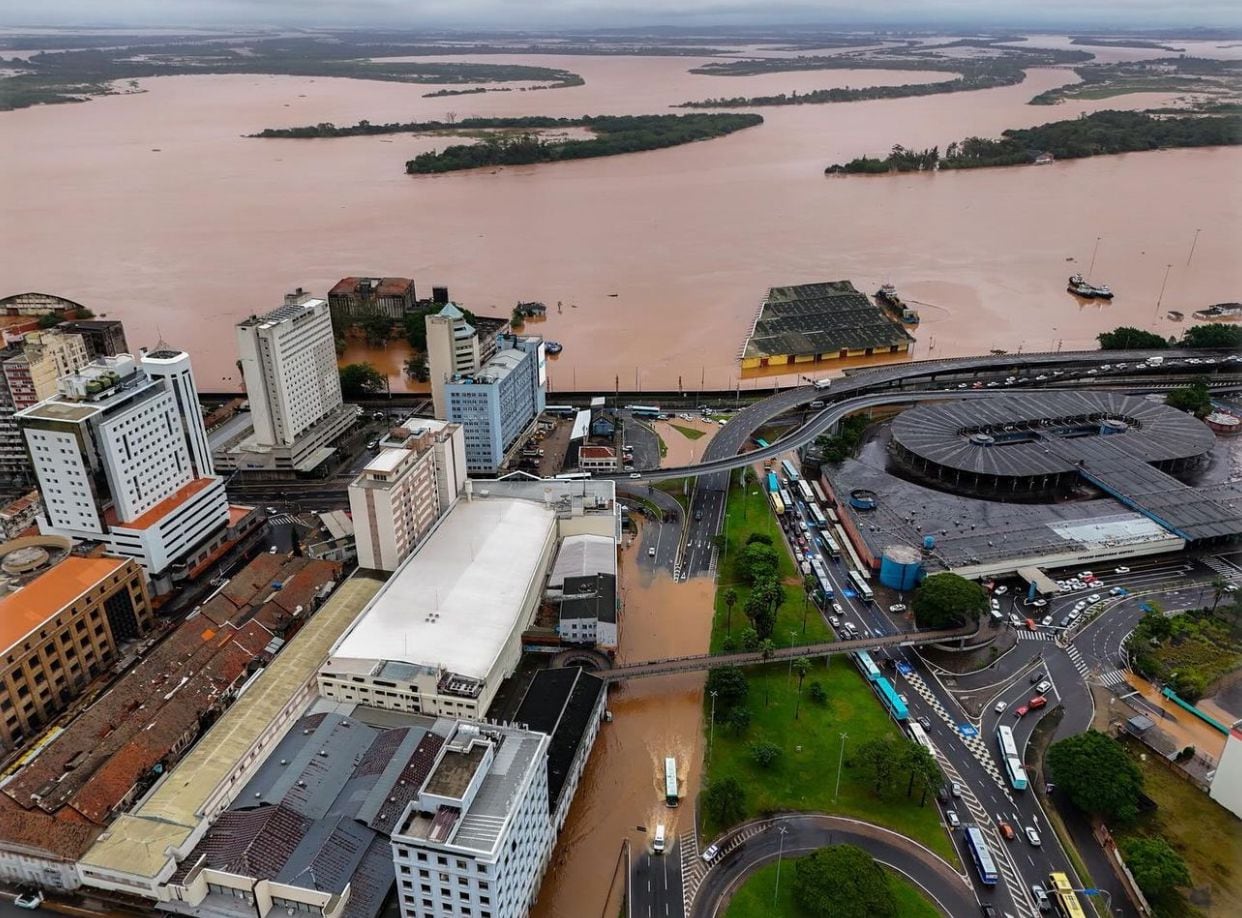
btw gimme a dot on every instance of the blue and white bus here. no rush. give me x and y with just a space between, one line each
790 472
891 700
761 443
830 545
860 584
645 411
825 587
787 499
867 665
979 853
919 735
773 484
1010 758
817 515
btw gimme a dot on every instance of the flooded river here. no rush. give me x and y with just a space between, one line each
153 208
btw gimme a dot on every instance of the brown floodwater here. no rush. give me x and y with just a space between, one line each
623 785
153 208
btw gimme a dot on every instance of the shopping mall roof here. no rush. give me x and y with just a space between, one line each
824 318
24 610
472 575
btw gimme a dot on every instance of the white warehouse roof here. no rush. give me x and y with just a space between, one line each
581 555
455 602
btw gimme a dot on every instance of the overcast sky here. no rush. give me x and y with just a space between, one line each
1118 14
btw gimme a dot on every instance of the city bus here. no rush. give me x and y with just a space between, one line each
821 572
980 854
787 500
860 584
825 587
773 484
790 472
670 781
778 505
832 515
804 489
1010 758
761 443
919 735
563 411
867 665
890 699
645 411
830 545
817 515
819 493
572 476
1064 899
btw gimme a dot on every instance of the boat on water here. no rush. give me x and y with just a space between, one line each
1174 316
1220 311
1079 287
553 347
887 297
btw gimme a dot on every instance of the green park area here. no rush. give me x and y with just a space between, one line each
759 896
690 433
777 742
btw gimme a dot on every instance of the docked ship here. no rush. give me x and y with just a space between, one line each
1080 287
887 297
1220 311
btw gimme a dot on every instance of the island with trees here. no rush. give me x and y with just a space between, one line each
1213 81
1098 134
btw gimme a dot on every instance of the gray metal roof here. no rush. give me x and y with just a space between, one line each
820 319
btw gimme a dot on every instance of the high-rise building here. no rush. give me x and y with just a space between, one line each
413 481
497 402
288 361
114 458
453 349
477 838
103 337
174 366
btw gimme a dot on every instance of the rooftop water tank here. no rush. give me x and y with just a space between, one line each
862 499
901 568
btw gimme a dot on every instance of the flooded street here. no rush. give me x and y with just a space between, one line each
623 786
154 209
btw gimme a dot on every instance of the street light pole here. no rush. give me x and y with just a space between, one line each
711 729
840 760
780 852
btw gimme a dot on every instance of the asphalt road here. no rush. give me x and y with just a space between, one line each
655 889
655 534
805 833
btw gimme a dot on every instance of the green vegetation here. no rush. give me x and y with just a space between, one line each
1005 68
725 801
947 600
845 442
1193 399
1217 80
842 880
1206 835
689 433
1187 652
1126 337
614 135
1098 134
1095 42
1213 335
1097 775
416 368
361 380
755 897
1157 868
71 75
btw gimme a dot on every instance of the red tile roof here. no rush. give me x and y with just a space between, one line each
162 509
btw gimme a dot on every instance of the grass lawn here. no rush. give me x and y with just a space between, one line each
1207 835
754 899
689 433
676 487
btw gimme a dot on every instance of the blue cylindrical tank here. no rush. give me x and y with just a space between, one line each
862 499
901 568
929 542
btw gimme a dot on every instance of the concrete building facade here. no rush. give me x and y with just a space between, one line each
499 401
354 298
453 349
416 478
60 631
103 337
112 455
478 837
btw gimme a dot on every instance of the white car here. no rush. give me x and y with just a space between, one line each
651 552
836 607
1001 590
951 817
1000 707
1032 836
1043 686
1040 603
834 621
995 603
1121 570
1094 598
955 789
1085 575
29 899
897 607
1080 605
712 850
1046 620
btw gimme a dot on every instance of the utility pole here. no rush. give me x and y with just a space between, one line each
840 760
780 852
1093 253
1160 298
1193 243
711 729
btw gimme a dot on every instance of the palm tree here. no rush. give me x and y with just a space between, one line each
809 584
1219 587
801 666
923 768
730 600
766 648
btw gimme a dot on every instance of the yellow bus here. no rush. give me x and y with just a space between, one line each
1063 897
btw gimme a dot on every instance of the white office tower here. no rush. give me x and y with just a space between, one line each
477 838
288 362
174 366
114 458
453 349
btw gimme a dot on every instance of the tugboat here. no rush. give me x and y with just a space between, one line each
1080 287
887 297
1220 311
553 347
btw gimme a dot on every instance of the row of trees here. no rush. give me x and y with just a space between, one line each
1097 134
614 135
1212 335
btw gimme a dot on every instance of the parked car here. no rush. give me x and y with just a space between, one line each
1040 603
1038 701
636 475
29 898
1001 590
1046 620
995 603
1037 676
836 607
1094 598
1065 620
1000 707
897 607
1043 686
1006 830
1032 836
834 621
1015 621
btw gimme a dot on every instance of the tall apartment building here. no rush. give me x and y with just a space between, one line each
103 337
115 460
288 360
497 402
61 630
355 297
453 349
29 369
477 838
401 493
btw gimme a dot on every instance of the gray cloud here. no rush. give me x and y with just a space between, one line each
1117 14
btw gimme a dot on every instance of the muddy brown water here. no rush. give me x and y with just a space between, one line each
153 208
